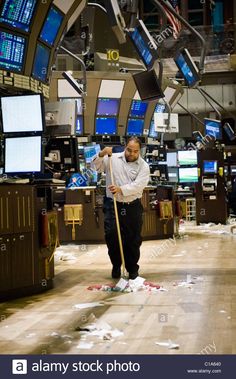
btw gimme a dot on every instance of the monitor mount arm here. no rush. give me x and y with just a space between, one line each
84 80
164 4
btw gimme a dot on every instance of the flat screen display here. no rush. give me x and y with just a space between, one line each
213 128
229 131
51 26
152 132
148 85
22 114
233 170
187 67
18 13
210 167
144 45
28 158
173 176
90 152
105 125
135 127
107 107
188 175
187 157
172 159
79 126
138 109
41 61
12 51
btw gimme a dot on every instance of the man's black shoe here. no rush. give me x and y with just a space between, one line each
133 275
116 273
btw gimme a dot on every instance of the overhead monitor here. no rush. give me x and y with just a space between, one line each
107 107
90 152
229 131
213 128
12 51
188 175
41 62
60 113
116 19
187 67
138 109
28 159
172 159
173 174
23 113
148 85
51 26
18 13
210 167
161 122
66 89
79 126
105 125
233 170
111 89
152 133
135 127
187 157
144 44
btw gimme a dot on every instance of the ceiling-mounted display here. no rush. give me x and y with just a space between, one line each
51 26
18 13
41 61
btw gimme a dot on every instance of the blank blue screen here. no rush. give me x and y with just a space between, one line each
135 127
107 107
51 26
41 61
138 108
79 125
12 51
105 125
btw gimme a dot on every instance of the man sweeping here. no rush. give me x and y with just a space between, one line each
130 175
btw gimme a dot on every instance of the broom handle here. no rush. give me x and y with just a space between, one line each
117 222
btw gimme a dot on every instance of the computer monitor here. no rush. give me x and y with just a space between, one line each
187 67
233 170
148 85
24 113
41 61
188 175
90 152
23 155
213 128
210 167
107 107
173 174
105 125
229 131
79 126
144 44
51 26
135 127
18 13
187 157
12 51
172 159
138 109
152 133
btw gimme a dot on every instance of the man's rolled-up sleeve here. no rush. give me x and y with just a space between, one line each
138 185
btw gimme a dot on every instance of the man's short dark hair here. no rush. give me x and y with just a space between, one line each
134 139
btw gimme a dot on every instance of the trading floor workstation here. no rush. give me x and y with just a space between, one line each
53 124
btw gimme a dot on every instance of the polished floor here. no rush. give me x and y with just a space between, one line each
194 313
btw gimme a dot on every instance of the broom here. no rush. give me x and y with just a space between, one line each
118 224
